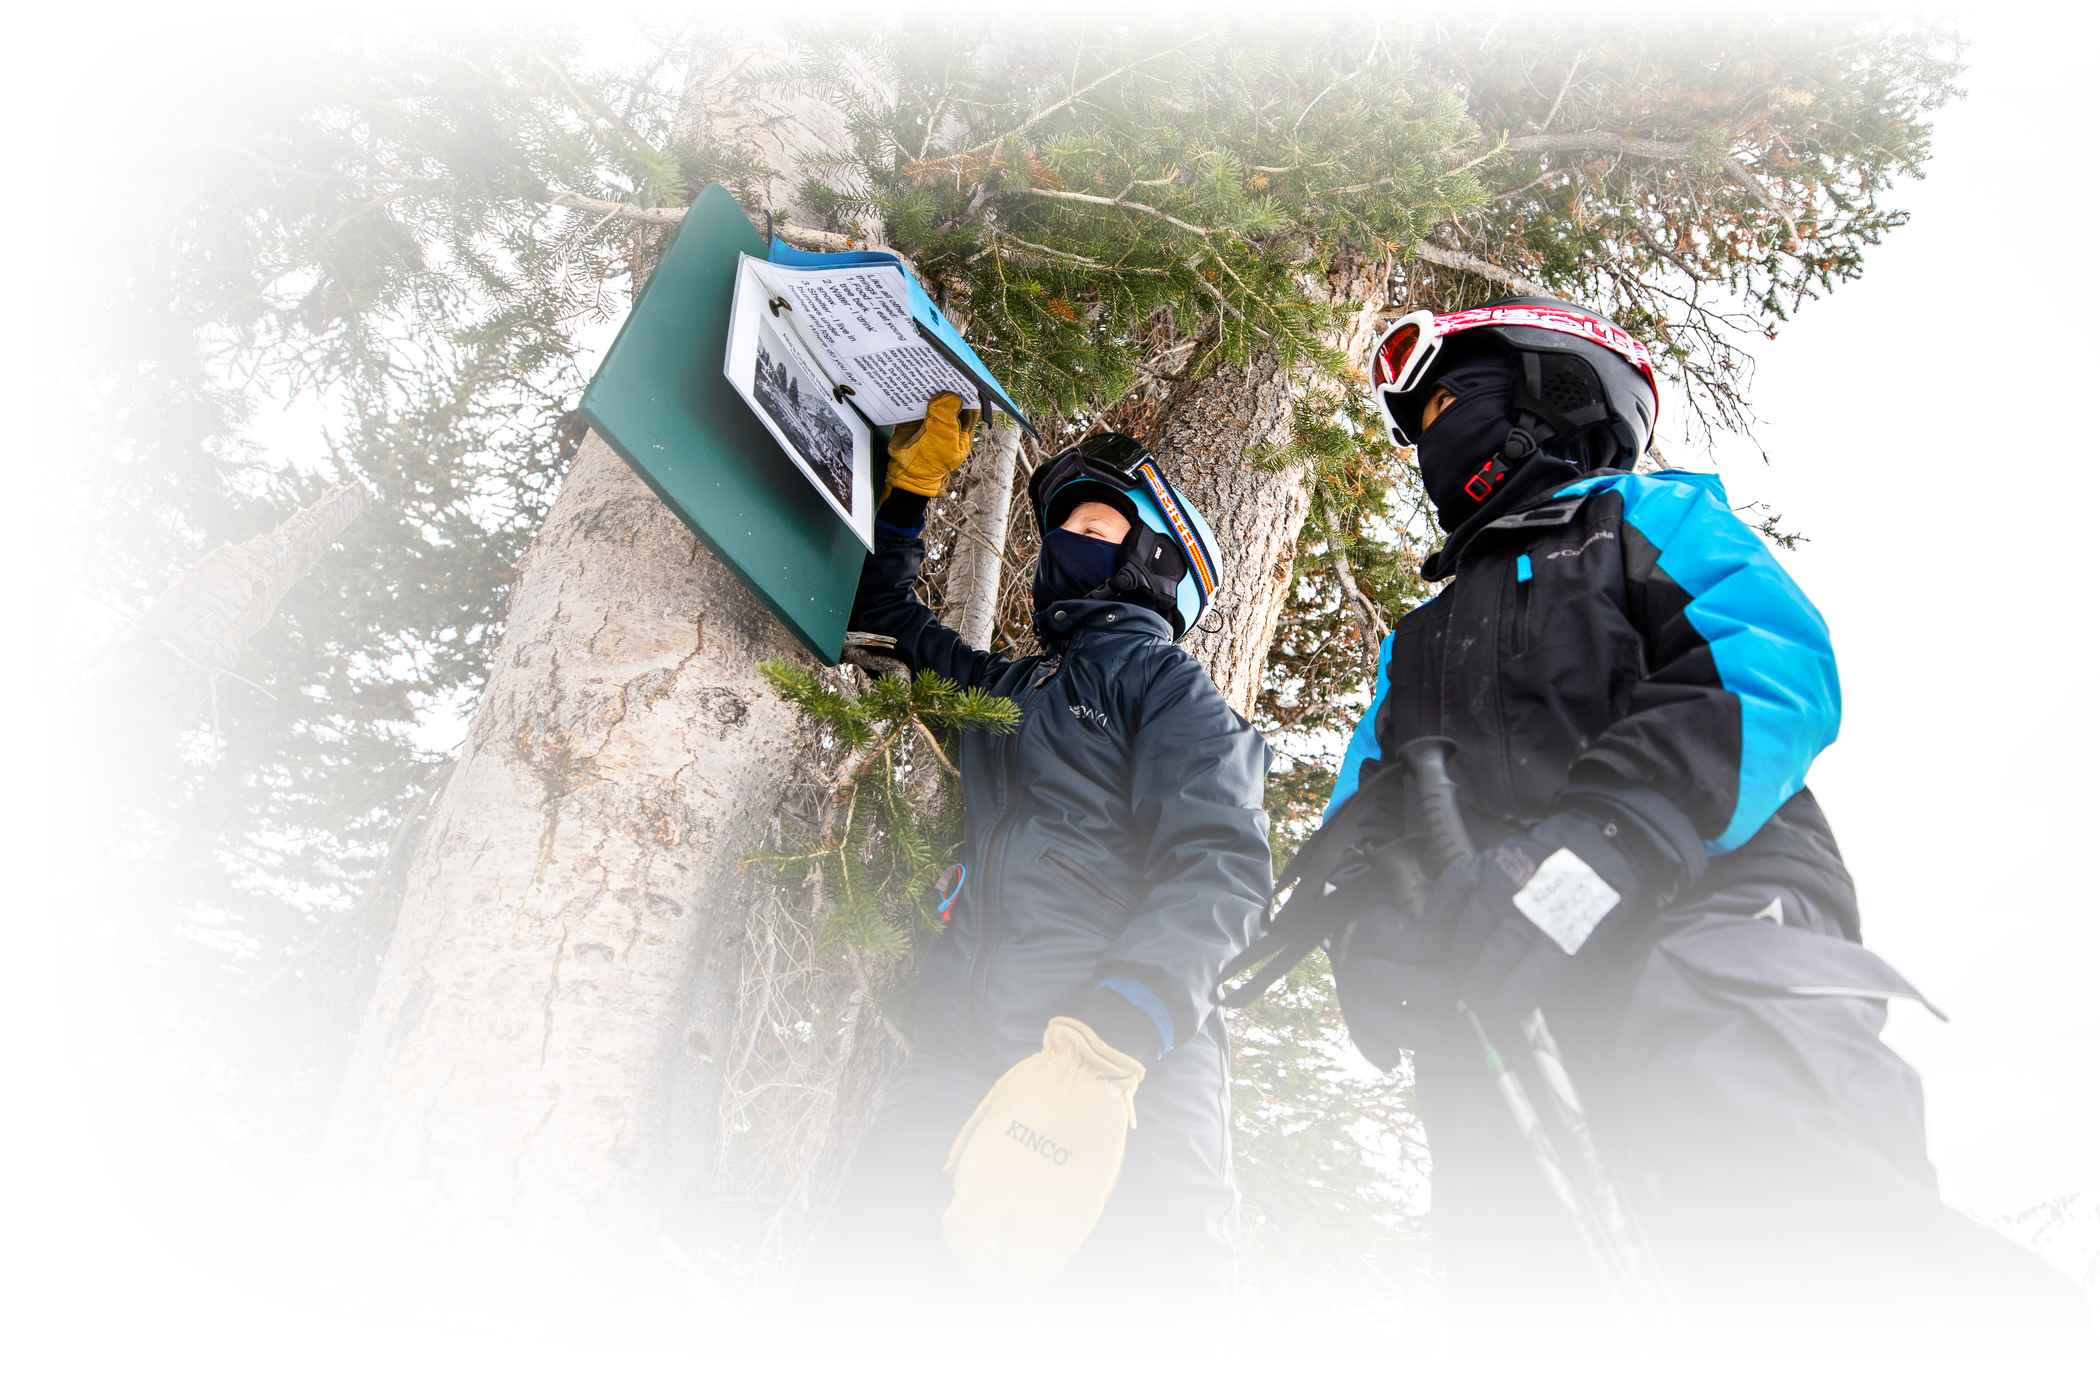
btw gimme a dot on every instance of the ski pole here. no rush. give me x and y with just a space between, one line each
1606 1226
1518 1100
1629 1245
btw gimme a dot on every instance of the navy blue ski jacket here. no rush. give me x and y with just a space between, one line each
1625 638
1115 839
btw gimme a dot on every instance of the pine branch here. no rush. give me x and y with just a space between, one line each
638 149
821 239
1479 267
938 751
664 217
1367 613
1370 57
1622 143
1056 255
1574 67
807 692
953 160
1541 178
1487 155
1736 171
1114 203
1603 142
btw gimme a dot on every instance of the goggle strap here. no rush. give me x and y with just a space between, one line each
1191 542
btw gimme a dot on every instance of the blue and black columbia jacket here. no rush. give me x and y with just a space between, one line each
1624 637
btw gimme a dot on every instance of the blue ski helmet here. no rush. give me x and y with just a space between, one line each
1169 560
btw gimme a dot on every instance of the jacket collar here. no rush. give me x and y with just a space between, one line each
1522 509
1059 623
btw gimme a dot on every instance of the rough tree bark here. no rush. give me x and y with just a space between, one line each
1205 436
545 1039
563 917
1203 440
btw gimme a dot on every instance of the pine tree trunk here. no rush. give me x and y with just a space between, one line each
548 1036
1205 436
557 968
212 611
170 667
1204 440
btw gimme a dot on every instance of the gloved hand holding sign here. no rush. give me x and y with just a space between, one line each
923 454
1034 1166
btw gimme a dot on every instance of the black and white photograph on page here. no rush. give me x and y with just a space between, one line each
800 410
787 387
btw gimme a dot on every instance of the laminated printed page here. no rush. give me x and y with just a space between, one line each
857 321
793 397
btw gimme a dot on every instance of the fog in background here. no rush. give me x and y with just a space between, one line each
1925 433
1925 427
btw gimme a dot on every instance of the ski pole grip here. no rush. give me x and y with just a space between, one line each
1436 798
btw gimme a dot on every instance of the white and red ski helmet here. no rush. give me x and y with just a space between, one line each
1579 371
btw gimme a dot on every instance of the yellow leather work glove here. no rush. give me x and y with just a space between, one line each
1033 1167
922 454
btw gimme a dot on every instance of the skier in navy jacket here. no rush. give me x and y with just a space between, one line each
1068 1064
1632 691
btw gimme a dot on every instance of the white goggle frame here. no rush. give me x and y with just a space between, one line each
1432 328
1407 374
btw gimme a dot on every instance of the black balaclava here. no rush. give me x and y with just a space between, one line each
1072 565
1460 450
1466 436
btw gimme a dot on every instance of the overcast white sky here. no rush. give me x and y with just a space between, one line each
1962 782
1923 427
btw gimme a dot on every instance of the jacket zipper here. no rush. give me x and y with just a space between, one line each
1520 637
1443 708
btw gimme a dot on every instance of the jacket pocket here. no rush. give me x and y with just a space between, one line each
1519 636
1068 866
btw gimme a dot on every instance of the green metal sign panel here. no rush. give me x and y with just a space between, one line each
660 399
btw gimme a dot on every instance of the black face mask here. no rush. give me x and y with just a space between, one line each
1072 565
1464 437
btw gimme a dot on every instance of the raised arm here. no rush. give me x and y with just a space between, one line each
921 458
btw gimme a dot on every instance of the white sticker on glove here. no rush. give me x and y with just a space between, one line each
1566 899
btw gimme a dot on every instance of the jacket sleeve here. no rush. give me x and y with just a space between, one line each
1740 687
1196 782
1364 755
886 604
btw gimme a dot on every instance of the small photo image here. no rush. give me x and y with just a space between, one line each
803 412
827 441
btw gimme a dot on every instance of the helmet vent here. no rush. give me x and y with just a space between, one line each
1568 385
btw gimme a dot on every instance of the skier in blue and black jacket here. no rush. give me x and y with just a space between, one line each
1632 691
